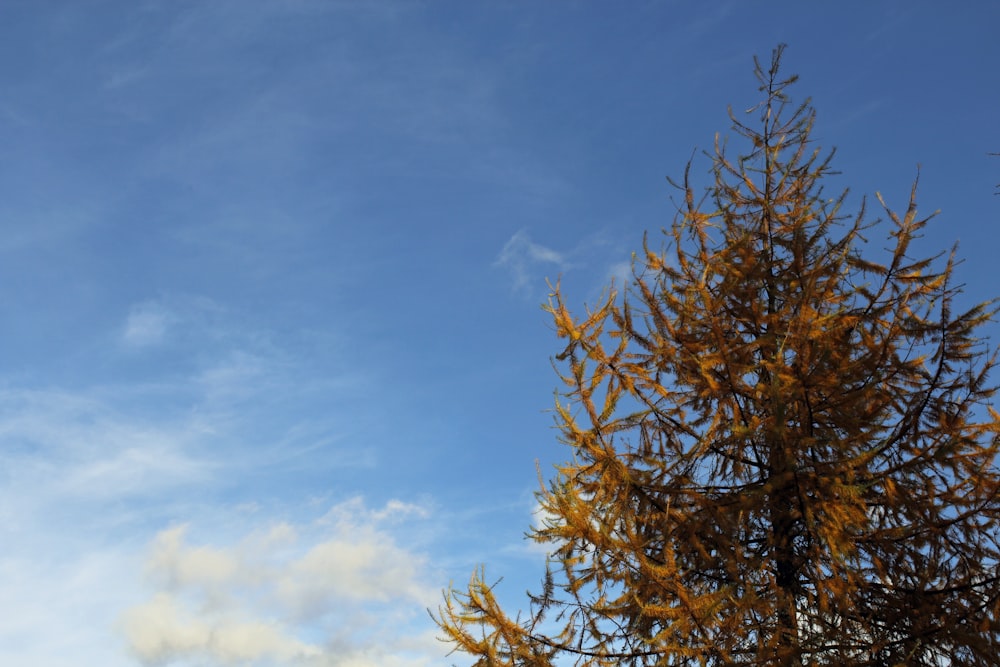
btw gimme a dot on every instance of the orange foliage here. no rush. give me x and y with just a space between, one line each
783 453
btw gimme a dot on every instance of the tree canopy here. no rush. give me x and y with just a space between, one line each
783 451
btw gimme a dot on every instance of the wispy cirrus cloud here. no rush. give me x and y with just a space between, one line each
524 258
621 272
530 263
147 324
73 447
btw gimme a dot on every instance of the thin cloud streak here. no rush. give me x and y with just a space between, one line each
522 257
147 324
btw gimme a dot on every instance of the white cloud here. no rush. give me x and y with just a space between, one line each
353 510
60 599
529 263
80 477
161 630
90 474
236 376
522 256
182 566
339 591
125 76
147 324
72 448
621 272
540 518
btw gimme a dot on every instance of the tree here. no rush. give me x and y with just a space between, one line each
783 452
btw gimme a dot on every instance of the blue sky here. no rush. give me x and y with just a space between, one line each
274 369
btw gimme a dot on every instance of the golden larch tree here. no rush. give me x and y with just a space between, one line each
783 452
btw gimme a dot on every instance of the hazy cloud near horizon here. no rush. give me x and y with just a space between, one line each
340 590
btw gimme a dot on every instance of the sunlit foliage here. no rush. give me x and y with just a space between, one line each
783 453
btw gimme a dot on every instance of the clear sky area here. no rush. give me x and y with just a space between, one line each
274 370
